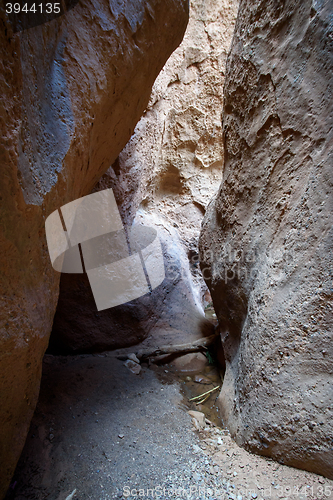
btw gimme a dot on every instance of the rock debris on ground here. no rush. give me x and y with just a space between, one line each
102 432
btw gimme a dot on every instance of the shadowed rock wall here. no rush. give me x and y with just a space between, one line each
72 91
266 241
169 170
171 313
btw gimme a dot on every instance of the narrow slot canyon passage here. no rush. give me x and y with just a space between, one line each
167 251
101 431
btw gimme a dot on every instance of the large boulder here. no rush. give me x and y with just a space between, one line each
72 91
266 242
170 313
168 170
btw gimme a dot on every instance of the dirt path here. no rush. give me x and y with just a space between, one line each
101 432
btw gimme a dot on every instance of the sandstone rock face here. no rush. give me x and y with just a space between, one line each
169 170
72 92
172 164
266 242
171 313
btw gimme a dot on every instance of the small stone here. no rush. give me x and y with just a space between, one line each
199 417
134 358
200 379
121 436
71 495
254 495
133 366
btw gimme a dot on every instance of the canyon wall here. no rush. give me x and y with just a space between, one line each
72 91
266 242
167 173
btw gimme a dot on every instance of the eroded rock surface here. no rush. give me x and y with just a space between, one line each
72 91
172 164
172 310
169 170
266 243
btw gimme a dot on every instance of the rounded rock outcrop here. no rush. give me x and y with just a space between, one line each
266 241
73 89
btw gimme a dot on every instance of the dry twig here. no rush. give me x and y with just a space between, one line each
205 393
197 345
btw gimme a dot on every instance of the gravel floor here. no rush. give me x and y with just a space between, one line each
101 432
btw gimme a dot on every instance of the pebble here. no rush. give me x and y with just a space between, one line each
200 379
133 366
199 418
197 449
134 358
71 495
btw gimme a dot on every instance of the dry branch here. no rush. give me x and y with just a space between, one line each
194 346
207 393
